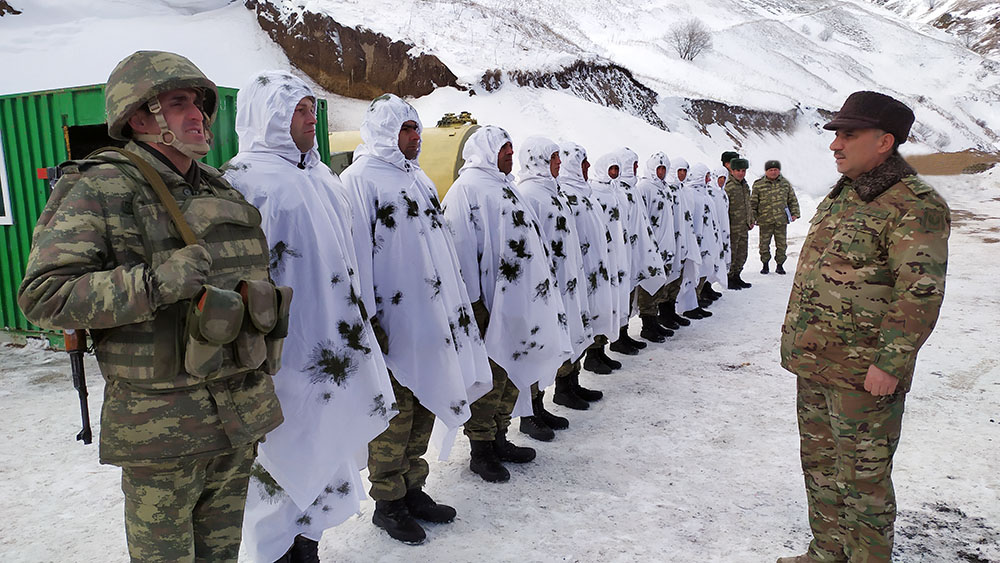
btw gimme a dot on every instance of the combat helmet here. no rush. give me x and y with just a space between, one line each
142 76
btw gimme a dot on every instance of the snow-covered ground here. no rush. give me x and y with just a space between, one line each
691 456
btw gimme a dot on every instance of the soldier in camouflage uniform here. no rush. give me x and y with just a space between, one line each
774 205
741 220
188 393
866 295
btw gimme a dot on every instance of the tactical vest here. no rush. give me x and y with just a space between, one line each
219 333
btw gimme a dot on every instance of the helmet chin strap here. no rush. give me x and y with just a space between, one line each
195 151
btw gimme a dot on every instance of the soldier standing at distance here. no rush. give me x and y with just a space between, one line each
182 424
774 205
741 220
866 295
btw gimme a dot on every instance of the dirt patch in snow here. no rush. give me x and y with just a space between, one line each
952 163
941 532
352 62
6 8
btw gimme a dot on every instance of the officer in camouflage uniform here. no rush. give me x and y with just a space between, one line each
774 205
740 220
186 359
866 295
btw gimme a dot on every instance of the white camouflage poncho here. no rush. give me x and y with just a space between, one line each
647 264
707 234
606 192
504 263
539 191
718 193
592 228
333 385
656 197
408 258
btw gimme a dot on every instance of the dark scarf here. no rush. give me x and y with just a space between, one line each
876 181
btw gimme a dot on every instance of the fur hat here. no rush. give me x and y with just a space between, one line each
739 164
729 156
772 164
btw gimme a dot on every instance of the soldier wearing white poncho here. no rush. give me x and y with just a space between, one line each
654 195
333 385
606 194
598 264
435 355
646 270
709 243
517 309
540 164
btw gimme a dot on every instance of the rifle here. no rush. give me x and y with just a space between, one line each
76 345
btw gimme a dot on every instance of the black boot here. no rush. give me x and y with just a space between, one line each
708 293
509 452
393 516
603 356
780 269
734 283
303 550
589 395
623 347
566 396
669 311
765 269
745 284
698 313
651 330
552 421
592 362
623 333
534 426
423 507
485 463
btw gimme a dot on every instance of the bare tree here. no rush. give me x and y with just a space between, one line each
690 39
826 34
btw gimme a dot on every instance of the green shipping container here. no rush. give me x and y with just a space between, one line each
39 130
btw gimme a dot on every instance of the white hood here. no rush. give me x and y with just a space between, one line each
535 155
657 160
656 200
380 130
264 109
628 160
482 151
571 170
599 171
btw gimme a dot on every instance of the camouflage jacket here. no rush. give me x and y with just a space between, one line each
740 214
771 198
87 269
870 279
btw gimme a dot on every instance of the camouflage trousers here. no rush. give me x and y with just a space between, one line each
847 440
739 242
778 232
673 290
649 304
395 462
188 510
491 412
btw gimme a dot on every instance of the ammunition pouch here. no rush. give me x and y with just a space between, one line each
261 304
214 319
274 340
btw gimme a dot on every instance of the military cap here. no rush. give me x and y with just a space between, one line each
772 164
871 110
728 156
739 164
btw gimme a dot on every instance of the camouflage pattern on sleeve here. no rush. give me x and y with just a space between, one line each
869 284
741 217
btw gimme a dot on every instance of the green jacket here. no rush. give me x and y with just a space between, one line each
770 199
740 215
90 266
870 279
